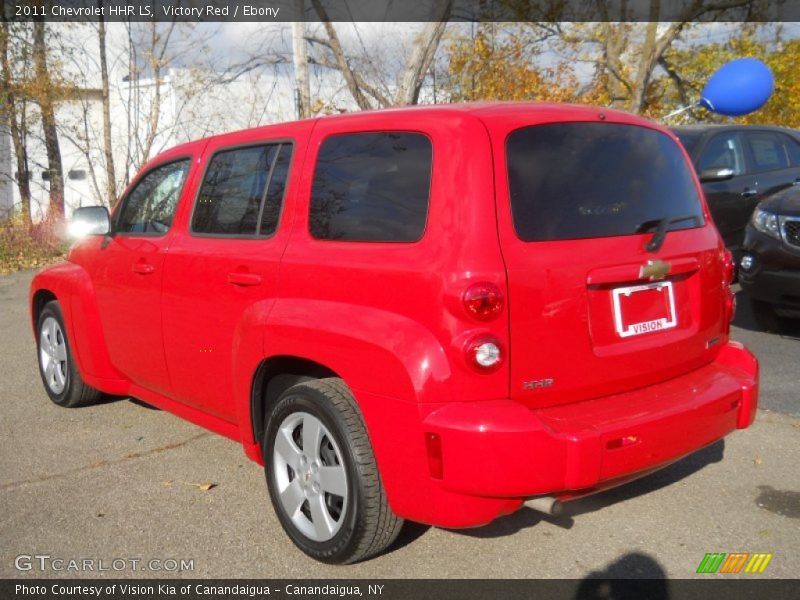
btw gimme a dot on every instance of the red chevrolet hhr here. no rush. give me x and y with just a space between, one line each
437 313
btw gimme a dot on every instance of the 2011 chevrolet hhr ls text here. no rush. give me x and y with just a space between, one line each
435 314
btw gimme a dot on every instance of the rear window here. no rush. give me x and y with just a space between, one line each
588 180
372 187
767 151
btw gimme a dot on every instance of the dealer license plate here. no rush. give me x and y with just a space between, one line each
643 309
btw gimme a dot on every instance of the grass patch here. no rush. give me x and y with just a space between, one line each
26 245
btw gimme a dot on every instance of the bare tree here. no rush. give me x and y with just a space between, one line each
369 94
108 152
421 58
13 111
46 98
300 55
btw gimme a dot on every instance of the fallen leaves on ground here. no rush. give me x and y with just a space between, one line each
202 486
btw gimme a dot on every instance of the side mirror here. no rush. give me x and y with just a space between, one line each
716 174
90 220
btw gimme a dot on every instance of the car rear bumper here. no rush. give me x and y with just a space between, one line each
504 449
495 454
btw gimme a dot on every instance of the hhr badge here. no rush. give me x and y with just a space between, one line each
537 384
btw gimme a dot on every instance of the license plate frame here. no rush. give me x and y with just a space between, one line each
624 329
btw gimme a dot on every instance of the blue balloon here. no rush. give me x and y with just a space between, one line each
738 88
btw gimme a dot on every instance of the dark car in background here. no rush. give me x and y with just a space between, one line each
769 270
738 166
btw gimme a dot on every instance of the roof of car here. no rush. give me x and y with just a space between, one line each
487 111
483 110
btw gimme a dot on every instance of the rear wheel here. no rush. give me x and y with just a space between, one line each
322 477
765 316
59 373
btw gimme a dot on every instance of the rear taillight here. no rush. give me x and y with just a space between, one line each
483 301
729 270
729 266
484 353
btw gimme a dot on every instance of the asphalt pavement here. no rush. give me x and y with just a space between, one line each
122 485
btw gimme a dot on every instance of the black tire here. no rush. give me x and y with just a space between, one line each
765 316
62 382
365 525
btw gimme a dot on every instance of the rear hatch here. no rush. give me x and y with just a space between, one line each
615 274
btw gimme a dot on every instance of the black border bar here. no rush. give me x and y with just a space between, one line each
404 10
733 588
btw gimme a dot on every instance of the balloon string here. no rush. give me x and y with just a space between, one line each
677 112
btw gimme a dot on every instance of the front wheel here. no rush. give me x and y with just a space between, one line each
322 476
60 375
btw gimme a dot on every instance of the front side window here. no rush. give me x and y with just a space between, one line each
372 187
242 191
723 152
590 180
150 207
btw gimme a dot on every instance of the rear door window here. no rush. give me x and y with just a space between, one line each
589 180
792 149
371 187
242 191
766 151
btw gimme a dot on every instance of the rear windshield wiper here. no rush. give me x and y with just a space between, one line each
661 225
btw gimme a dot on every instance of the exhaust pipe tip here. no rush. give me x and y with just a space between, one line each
546 504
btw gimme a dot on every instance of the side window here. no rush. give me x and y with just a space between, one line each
372 187
792 149
277 185
723 151
767 152
240 189
150 206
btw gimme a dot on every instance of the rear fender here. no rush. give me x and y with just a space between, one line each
371 349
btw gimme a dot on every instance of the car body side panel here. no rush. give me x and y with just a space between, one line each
400 303
200 338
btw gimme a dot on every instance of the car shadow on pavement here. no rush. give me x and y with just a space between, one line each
526 517
410 532
110 399
744 319
141 403
744 313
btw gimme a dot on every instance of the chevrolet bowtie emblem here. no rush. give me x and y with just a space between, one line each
654 269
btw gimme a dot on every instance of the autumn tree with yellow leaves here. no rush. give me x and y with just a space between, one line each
517 62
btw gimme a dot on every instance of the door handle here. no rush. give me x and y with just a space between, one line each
747 193
241 278
143 268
